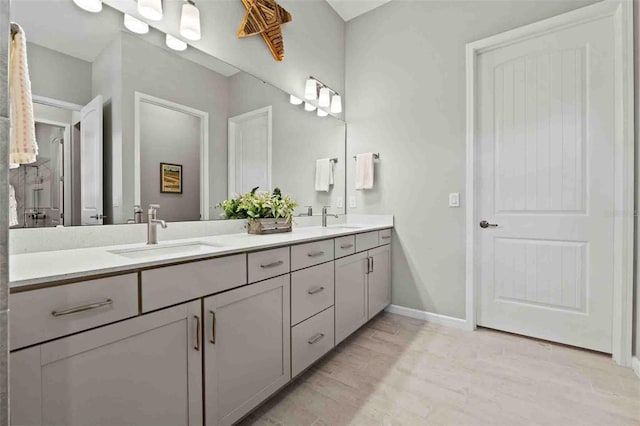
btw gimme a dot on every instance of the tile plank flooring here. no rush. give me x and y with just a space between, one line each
403 371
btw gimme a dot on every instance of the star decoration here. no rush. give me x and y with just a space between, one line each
265 17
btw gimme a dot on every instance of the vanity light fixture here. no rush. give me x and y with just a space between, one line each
324 99
190 21
311 89
93 6
175 43
135 25
150 9
294 100
336 104
322 113
309 107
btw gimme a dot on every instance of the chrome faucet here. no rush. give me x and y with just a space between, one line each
152 224
325 214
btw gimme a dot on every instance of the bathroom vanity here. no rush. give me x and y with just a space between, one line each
188 332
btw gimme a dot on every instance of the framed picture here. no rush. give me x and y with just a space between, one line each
170 178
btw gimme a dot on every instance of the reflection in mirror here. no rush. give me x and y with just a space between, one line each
123 121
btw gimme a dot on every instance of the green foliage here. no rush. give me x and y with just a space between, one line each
258 205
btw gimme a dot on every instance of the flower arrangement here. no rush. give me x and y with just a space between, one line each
256 205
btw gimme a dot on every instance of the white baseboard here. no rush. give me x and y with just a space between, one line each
635 364
427 316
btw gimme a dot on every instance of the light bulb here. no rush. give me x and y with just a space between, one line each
294 100
324 99
322 113
175 43
93 6
135 25
309 107
190 21
336 104
310 90
150 9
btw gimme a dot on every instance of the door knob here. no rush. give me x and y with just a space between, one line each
485 224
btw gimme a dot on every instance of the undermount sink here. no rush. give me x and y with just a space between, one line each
164 250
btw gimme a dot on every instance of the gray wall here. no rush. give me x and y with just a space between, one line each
405 80
636 23
299 139
58 76
169 136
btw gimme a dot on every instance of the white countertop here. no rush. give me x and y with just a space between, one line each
35 269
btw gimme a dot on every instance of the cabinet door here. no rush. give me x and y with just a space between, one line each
247 348
142 371
379 279
351 304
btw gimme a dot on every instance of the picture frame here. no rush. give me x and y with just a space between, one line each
170 178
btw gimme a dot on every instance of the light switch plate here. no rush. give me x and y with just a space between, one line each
454 199
340 202
352 201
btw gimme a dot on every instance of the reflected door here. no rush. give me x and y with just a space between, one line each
546 139
250 151
91 163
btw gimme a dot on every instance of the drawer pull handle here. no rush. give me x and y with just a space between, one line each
272 264
315 253
346 246
213 327
315 339
386 237
196 344
315 290
82 308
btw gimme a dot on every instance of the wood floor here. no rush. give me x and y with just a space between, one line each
403 371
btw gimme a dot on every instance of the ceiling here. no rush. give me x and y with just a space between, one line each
349 9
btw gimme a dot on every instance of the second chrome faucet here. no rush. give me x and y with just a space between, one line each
152 224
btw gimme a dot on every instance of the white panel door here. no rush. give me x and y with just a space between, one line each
91 163
250 151
546 141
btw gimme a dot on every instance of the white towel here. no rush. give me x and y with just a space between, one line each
24 147
364 171
324 174
13 207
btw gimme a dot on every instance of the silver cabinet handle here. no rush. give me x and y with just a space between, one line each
315 253
484 224
368 265
196 344
273 264
315 339
346 246
315 290
371 263
386 237
213 327
82 308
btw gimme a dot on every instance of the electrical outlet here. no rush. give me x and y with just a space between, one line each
340 202
454 199
352 201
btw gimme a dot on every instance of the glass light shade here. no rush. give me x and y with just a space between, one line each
150 9
309 107
325 97
336 104
190 22
310 90
135 25
294 100
175 43
93 6
322 113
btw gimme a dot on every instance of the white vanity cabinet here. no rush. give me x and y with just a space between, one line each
379 277
142 371
246 348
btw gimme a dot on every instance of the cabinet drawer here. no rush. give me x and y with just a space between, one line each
48 313
345 246
384 237
311 291
305 255
367 241
310 340
175 284
268 263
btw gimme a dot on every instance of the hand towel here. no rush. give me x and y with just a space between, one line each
324 174
24 147
364 171
13 207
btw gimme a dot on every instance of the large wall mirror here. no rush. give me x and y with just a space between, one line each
124 121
